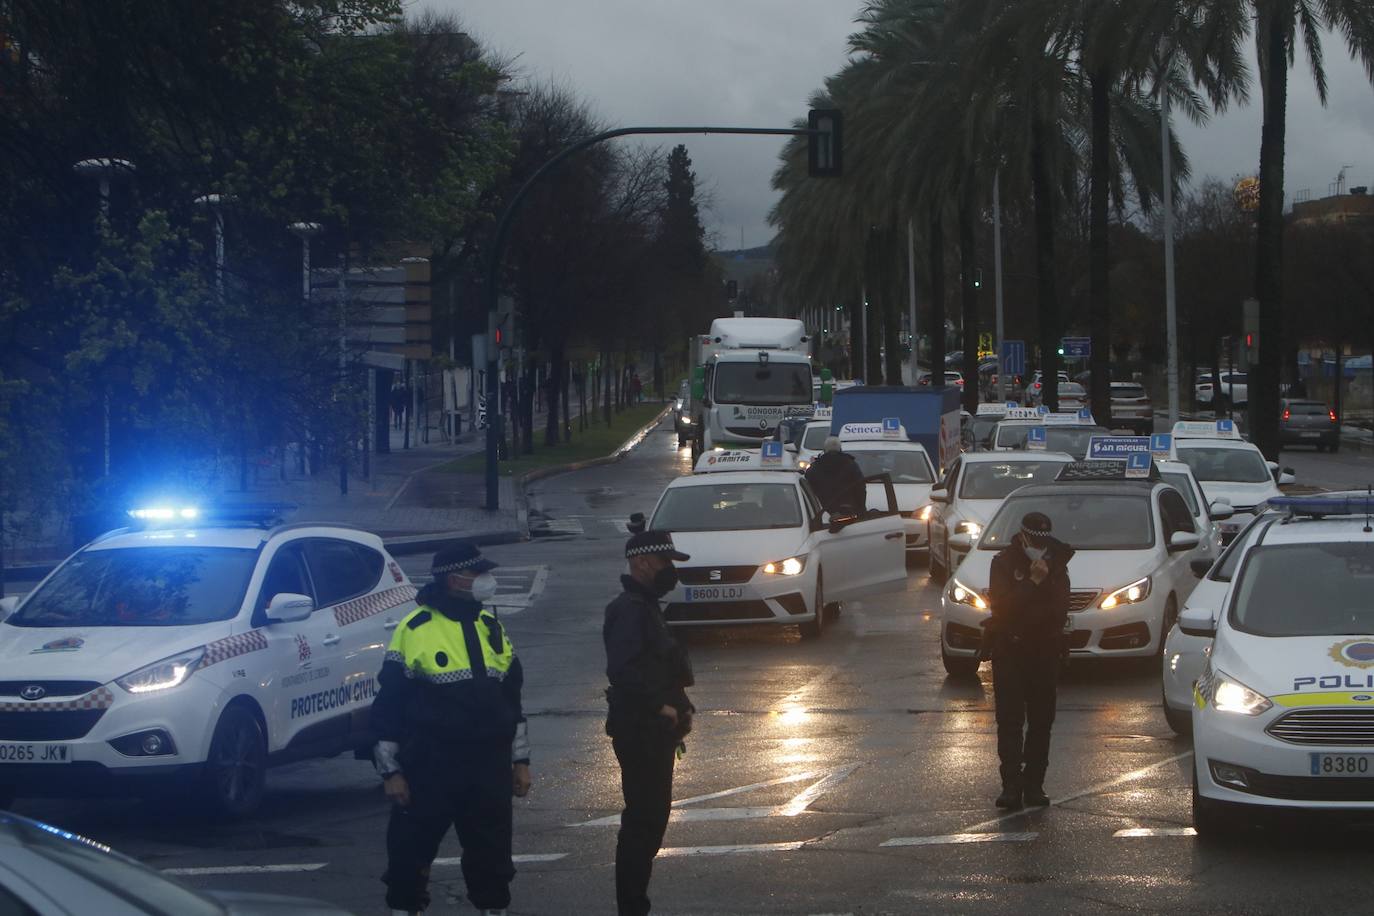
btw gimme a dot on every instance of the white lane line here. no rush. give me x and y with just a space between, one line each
1137 832
527 859
813 792
957 839
245 869
614 819
674 851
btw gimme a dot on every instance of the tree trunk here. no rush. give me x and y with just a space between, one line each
1263 392
1043 185
968 268
610 368
566 435
1099 254
554 394
937 304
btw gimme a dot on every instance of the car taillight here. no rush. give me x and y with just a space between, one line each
1332 415
1287 414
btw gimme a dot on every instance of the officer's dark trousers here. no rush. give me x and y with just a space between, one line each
1023 685
646 779
474 798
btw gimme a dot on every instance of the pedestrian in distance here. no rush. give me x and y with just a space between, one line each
837 480
649 713
452 745
1024 637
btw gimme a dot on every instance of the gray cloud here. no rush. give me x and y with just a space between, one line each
755 62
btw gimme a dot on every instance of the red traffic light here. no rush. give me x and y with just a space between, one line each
500 337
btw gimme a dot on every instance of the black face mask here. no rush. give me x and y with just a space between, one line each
665 580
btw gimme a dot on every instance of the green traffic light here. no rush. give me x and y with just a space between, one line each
1061 351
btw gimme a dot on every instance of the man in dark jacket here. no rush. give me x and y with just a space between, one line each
837 480
453 746
1024 636
649 711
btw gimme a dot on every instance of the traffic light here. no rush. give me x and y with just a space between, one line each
1060 351
978 278
731 290
824 143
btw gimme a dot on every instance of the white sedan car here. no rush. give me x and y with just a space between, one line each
971 493
1130 573
764 552
1228 468
1283 712
194 653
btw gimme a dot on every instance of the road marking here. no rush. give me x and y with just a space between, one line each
245 869
676 851
527 859
1137 832
518 587
956 839
793 807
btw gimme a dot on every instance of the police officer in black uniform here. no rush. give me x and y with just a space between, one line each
649 711
453 745
1024 637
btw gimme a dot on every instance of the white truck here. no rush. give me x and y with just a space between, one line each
747 374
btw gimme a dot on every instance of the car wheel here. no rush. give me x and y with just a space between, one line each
956 666
1180 720
939 570
236 770
1213 820
1170 618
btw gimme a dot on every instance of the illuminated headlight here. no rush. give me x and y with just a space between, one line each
972 529
1232 696
962 594
163 675
924 514
803 465
792 566
1138 590
686 421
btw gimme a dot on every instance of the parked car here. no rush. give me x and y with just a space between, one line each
1131 408
1309 423
1233 387
1034 388
951 378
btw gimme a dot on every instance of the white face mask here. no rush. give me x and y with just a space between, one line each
484 586
1035 553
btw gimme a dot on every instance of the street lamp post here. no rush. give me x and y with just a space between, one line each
305 232
1170 303
997 278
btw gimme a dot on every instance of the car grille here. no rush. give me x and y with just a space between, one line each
50 688
751 432
701 575
1334 727
1078 600
48 726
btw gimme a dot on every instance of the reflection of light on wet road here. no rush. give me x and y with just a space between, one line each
792 751
791 716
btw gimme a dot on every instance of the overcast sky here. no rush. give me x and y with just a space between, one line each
755 62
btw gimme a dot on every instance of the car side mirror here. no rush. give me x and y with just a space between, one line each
1220 511
1183 540
1200 566
8 605
1287 476
288 607
961 541
1197 622
793 448
939 495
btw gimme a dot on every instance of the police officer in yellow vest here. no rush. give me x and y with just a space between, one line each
452 742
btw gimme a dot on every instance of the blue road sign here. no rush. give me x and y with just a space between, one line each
1138 464
1035 438
1077 347
1117 447
1014 357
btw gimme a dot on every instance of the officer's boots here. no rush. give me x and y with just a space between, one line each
1011 793
1034 794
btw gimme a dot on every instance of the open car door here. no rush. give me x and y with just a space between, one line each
866 555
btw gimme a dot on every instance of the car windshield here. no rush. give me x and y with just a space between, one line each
1127 392
903 465
1084 522
1226 465
1071 389
728 507
1180 482
814 438
1322 589
997 480
1070 439
763 383
981 429
142 587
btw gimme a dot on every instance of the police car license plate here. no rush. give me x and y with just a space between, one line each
1342 764
35 753
716 593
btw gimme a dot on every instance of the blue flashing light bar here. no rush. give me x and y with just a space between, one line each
241 513
1324 505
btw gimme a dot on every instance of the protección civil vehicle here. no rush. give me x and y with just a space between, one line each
972 491
1228 467
1283 711
193 650
762 549
886 453
1133 539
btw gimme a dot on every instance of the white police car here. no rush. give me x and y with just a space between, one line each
1130 573
1283 713
194 652
972 491
1228 468
884 449
1037 429
762 549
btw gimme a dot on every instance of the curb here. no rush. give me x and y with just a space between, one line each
625 448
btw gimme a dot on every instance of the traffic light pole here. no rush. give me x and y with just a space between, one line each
495 415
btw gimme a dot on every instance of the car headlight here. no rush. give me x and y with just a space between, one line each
972 529
803 465
962 594
924 514
1232 696
686 420
792 566
1137 591
163 675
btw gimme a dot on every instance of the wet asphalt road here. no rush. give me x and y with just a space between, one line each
808 762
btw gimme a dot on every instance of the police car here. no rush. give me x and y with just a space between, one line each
1228 467
1283 712
762 549
1133 540
971 492
885 450
1037 429
194 650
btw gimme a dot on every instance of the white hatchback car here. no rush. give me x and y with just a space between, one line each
1130 573
763 551
1228 468
1283 713
180 654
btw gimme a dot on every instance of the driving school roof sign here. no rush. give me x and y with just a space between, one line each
890 429
1117 447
